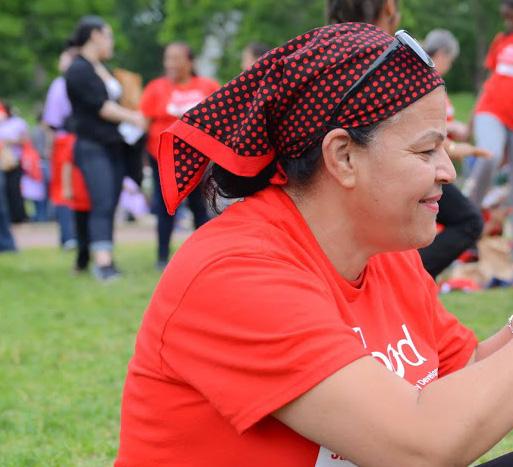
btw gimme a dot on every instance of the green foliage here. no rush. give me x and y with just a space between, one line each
264 21
473 22
32 32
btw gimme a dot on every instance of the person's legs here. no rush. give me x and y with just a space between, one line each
510 175
6 239
100 174
165 222
503 461
14 198
198 207
490 134
39 211
463 225
64 216
81 221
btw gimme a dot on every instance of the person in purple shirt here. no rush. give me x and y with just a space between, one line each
56 115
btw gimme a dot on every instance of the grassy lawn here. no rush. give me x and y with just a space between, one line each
65 345
66 342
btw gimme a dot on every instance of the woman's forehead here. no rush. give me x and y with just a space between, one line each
422 121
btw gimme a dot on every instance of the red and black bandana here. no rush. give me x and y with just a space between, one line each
284 103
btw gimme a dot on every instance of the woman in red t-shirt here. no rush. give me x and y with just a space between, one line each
493 121
299 328
164 100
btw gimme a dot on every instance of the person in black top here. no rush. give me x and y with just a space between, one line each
98 152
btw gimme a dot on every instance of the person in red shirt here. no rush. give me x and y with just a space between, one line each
163 101
493 120
299 328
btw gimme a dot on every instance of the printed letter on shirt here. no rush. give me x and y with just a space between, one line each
326 458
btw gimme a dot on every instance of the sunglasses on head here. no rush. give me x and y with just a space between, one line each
401 39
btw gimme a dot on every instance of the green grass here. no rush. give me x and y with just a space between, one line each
66 342
64 349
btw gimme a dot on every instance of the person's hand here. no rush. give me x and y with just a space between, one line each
458 131
459 151
67 191
138 120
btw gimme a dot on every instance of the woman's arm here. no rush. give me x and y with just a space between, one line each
492 344
114 112
374 418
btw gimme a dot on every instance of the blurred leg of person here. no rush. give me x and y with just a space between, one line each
463 225
39 211
42 206
6 239
103 170
489 133
198 206
165 222
503 461
66 222
81 222
510 175
14 198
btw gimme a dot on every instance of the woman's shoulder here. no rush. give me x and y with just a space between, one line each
80 68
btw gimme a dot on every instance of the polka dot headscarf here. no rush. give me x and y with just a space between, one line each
285 103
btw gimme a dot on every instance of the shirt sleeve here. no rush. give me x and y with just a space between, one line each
252 334
86 87
491 57
455 342
57 107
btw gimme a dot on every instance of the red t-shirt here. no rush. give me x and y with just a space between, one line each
249 315
497 95
163 102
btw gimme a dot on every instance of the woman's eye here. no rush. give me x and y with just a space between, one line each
429 153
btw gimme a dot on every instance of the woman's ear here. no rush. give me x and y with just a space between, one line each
339 157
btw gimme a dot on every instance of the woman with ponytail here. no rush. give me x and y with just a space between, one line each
98 151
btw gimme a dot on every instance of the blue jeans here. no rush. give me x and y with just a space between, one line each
166 222
6 238
103 169
64 216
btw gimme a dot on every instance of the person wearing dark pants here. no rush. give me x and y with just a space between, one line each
166 222
14 197
93 92
82 223
102 167
462 224
164 100
6 238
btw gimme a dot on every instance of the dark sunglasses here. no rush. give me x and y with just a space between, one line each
401 39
